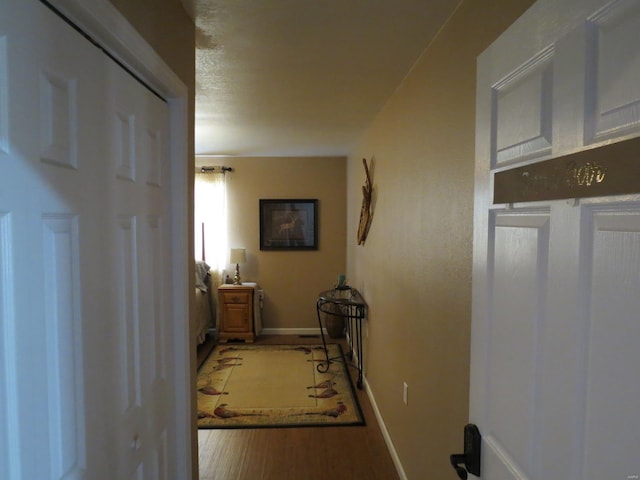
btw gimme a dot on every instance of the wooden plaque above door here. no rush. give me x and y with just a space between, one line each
612 169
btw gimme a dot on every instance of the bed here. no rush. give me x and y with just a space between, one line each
204 312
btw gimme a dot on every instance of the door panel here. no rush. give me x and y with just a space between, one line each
58 119
236 318
8 399
518 269
63 333
4 86
522 106
84 259
613 389
554 381
50 95
7 318
614 63
139 126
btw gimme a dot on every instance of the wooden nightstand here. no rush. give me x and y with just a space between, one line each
236 312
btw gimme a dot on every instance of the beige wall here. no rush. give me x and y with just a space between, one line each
291 279
415 268
165 25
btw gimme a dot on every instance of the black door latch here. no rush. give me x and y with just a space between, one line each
469 461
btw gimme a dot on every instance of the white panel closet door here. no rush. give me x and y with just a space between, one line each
554 377
84 260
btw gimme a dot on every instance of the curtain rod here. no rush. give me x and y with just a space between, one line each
217 168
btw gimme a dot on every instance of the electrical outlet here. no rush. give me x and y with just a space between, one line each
405 393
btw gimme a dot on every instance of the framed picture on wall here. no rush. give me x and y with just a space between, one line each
288 224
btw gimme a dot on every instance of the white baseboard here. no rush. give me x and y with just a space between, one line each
385 433
291 331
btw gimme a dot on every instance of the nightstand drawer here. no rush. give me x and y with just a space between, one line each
236 297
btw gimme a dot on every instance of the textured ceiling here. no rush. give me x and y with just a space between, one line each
301 77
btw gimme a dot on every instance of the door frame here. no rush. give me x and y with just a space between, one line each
112 31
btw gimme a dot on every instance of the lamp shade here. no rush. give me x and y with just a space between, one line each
238 255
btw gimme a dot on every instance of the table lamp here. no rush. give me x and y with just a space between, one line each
238 256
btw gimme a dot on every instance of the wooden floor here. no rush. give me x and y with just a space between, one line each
308 453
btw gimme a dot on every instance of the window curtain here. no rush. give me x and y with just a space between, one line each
210 219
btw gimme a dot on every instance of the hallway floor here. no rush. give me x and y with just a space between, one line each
309 453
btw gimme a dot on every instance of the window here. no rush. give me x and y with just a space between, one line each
210 218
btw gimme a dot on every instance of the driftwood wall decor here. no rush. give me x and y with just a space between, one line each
366 213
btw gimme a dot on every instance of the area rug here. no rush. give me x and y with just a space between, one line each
252 386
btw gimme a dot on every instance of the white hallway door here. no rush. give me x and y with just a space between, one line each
555 377
86 387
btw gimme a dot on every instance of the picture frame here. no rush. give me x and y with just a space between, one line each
288 224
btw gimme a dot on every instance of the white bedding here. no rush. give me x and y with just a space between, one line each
204 311
206 301
203 315
202 275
